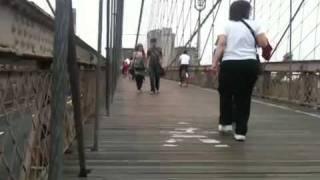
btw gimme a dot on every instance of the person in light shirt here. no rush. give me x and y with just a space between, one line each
184 61
239 67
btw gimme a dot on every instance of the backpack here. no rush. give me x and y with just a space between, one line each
155 54
138 64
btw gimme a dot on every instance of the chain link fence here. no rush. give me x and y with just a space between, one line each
25 111
296 82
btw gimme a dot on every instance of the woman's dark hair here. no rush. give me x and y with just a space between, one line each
137 49
240 10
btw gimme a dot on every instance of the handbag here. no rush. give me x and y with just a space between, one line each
162 71
266 51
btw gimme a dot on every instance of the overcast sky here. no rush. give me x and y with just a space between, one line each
87 20
273 13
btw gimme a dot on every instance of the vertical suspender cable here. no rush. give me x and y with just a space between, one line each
201 24
211 31
288 27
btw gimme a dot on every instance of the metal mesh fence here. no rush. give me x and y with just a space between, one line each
300 87
25 119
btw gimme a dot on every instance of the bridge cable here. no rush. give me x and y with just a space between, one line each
185 25
201 24
288 27
139 24
211 29
51 7
179 20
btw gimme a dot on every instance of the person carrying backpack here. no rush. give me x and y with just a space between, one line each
139 60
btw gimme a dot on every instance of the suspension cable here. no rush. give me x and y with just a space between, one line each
201 24
288 27
51 7
140 18
211 29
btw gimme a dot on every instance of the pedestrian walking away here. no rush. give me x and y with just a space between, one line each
154 56
239 68
184 61
139 65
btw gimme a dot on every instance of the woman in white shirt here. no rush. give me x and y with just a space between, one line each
238 71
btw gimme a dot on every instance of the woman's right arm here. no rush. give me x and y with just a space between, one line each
262 40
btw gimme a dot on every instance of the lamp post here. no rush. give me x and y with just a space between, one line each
199 5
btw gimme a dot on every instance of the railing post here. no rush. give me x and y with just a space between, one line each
112 78
108 59
317 89
266 82
75 89
98 81
59 86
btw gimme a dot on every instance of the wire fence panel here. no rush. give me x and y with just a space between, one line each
25 97
301 86
304 88
26 47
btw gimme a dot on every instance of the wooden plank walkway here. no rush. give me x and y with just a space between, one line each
173 136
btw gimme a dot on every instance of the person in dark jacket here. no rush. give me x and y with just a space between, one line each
154 56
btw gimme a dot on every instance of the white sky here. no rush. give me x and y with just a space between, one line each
274 14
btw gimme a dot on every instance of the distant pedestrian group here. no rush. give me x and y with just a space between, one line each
150 63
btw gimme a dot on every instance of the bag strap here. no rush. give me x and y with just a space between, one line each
252 32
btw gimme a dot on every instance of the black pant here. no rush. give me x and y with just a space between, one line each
154 77
181 69
139 81
236 81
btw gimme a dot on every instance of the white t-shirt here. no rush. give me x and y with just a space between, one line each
184 59
127 61
240 42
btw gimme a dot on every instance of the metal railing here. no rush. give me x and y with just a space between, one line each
274 83
42 107
25 113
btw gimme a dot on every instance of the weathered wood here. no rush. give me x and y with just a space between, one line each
282 144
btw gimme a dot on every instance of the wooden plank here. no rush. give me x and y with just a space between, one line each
282 144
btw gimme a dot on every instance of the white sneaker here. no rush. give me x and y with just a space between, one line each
239 137
225 129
